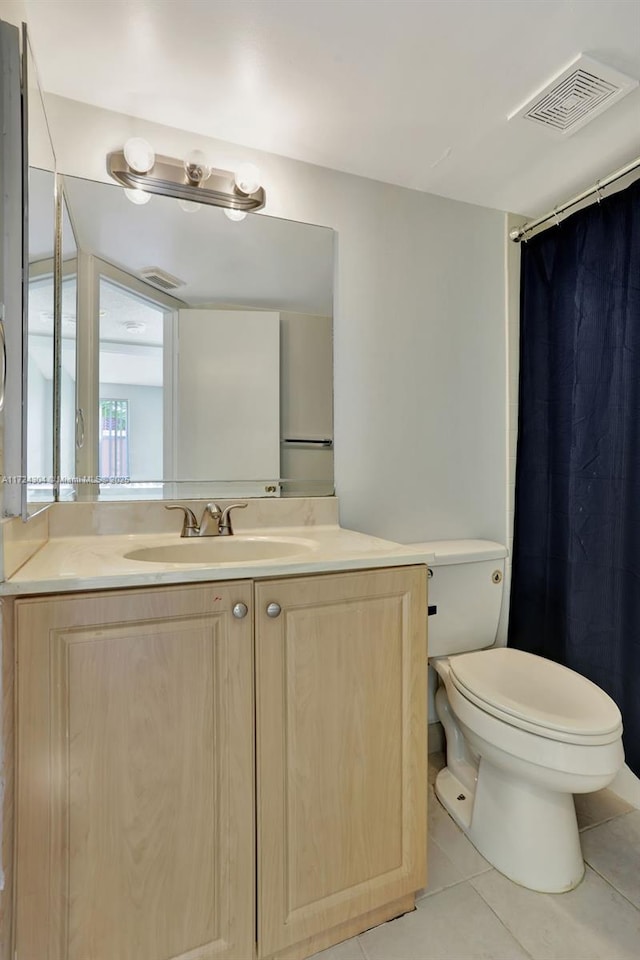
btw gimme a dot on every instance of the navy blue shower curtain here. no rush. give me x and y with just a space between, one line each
575 595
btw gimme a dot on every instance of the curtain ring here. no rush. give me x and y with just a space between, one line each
599 191
556 217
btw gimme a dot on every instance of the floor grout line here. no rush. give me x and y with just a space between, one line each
501 921
362 947
612 885
601 823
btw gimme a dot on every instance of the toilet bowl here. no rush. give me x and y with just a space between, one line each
523 734
520 768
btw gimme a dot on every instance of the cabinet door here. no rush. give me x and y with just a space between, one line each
135 785
341 749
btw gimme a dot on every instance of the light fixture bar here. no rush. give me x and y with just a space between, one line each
168 178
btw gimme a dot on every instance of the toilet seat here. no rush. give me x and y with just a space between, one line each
538 695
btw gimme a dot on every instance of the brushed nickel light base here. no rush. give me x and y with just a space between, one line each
169 178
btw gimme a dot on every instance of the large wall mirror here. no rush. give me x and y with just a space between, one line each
38 361
195 352
38 437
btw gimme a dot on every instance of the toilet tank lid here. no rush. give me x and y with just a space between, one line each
462 551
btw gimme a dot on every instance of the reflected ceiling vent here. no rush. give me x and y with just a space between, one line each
134 326
160 278
575 96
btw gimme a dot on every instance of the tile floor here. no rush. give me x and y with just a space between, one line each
469 911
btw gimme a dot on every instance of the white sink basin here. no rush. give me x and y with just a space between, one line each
233 549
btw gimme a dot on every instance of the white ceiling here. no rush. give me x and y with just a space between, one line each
412 92
262 262
132 358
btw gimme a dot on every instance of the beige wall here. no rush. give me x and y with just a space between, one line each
13 11
419 335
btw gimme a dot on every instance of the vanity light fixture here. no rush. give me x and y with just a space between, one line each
142 172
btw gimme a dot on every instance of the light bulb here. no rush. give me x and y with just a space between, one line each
139 155
197 166
235 215
247 178
137 196
189 206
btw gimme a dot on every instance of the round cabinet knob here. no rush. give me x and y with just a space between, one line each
273 610
240 610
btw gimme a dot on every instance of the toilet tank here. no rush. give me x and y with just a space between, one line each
466 590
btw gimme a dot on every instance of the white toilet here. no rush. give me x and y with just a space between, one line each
523 733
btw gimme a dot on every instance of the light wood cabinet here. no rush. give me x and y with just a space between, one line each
341 721
135 776
136 801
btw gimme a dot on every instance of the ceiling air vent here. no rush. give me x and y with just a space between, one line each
575 96
160 278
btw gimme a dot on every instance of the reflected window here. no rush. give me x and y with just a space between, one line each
40 391
114 439
130 427
68 434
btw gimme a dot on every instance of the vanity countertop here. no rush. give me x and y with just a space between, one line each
81 563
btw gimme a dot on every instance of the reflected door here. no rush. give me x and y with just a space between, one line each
226 402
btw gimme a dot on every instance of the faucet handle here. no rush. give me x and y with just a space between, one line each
190 526
225 520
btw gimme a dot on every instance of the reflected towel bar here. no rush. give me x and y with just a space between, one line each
315 443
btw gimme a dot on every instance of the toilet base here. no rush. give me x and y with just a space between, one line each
455 798
528 833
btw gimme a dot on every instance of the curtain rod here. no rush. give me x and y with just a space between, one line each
520 232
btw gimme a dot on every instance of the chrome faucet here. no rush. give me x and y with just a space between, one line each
213 523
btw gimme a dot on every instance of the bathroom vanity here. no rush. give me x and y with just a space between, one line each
213 756
222 761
